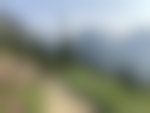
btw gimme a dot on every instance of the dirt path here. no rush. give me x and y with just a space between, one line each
58 98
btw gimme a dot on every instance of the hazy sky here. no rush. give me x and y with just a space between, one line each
46 15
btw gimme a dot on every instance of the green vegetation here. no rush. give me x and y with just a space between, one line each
107 92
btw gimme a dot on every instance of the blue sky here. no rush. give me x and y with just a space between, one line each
45 15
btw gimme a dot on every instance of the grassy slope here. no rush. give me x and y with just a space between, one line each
109 92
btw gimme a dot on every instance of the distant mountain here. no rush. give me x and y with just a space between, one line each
131 55
135 54
93 47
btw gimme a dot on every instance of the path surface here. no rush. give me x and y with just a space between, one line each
59 98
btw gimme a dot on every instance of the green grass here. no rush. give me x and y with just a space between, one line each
30 98
107 92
